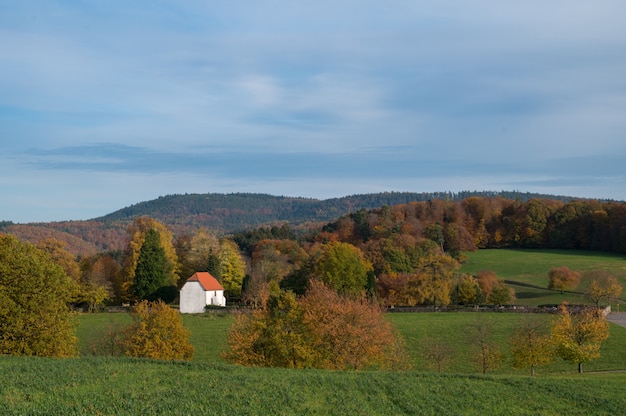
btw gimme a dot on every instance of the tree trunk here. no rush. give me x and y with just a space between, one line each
580 368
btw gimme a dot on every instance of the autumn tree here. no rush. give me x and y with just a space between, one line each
137 233
603 287
156 331
562 278
151 275
34 296
577 337
322 329
232 268
98 274
467 291
487 354
349 333
530 345
437 353
342 267
272 337
493 289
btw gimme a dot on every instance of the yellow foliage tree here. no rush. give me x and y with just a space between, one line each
34 296
232 268
157 332
531 346
577 338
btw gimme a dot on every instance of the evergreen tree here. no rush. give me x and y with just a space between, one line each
151 274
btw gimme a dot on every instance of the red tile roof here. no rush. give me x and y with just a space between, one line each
207 281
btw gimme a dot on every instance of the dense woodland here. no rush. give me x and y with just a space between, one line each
225 214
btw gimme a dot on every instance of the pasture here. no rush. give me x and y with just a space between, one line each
526 271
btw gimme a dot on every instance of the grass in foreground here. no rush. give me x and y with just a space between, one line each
120 386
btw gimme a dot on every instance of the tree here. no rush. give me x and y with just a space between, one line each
34 296
151 274
602 287
577 338
467 291
322 329
438 353
137 232
349 333
434 232
562 278
530 345
342 267
487 353
156 331
272 337
232 268
493 290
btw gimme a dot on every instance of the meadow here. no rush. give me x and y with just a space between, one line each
117 385
527 271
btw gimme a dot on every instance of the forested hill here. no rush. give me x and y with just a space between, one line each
226 213
237 211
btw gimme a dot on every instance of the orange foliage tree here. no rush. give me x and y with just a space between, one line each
562 278
322 329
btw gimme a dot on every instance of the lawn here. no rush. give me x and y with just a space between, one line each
527 271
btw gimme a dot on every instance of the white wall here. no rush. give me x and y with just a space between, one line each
192 298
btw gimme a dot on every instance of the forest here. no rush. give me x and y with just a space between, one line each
226 214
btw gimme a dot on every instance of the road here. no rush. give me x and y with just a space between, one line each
618 318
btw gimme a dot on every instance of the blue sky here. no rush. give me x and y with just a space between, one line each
104 104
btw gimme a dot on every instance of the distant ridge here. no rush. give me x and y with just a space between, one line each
228 214
231 212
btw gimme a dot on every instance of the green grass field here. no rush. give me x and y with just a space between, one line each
527 271
106 386
208 385
209 332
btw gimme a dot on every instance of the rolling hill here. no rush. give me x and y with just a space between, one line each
225 214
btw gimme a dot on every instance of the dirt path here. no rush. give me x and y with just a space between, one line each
618 318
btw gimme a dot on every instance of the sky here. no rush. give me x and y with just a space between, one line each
104 104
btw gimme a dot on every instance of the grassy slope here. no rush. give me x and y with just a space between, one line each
124 386
529 270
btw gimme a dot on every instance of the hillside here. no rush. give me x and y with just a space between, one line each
225 213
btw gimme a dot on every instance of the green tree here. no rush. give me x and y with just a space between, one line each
157 332
151 274
530 345
577 338
137 233
34 296
342 267
434 232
